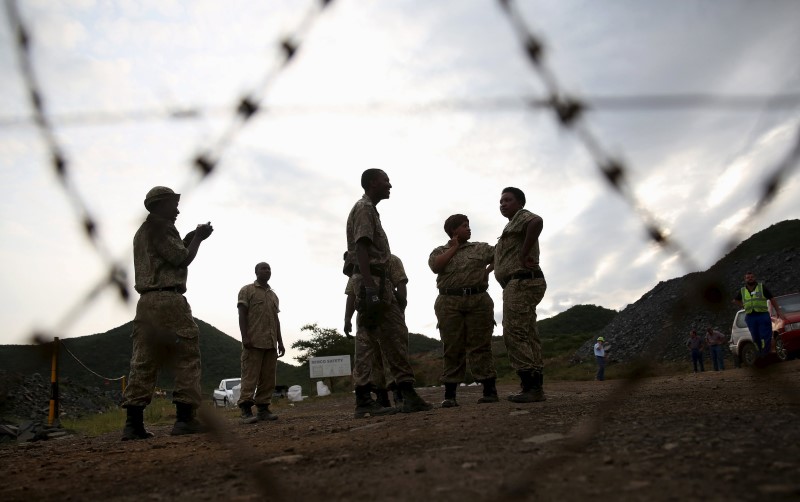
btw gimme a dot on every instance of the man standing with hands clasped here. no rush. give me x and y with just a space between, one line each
164 331
261 335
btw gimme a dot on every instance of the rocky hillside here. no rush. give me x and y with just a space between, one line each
656 326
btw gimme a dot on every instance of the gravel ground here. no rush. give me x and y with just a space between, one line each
729 435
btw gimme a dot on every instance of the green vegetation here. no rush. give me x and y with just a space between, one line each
323 342
109 354
160 412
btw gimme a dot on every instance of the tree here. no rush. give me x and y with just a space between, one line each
323 342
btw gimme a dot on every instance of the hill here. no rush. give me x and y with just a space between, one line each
659 322
108 354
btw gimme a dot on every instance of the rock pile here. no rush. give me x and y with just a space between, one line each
27 399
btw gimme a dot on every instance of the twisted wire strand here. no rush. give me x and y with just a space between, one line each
205 162
86 367
707 290
605 103
60 164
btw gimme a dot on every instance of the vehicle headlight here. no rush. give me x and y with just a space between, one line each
791 327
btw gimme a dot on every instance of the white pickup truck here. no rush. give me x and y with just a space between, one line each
223 395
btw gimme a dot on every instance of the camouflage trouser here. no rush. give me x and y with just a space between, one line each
258 375
164 336
520 334
379 366
390 338
465 327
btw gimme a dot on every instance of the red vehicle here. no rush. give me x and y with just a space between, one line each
786 326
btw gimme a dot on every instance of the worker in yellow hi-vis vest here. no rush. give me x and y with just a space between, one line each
754 298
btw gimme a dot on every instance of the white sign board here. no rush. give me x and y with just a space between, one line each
329 366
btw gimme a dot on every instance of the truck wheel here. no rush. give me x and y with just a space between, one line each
749 354
780 350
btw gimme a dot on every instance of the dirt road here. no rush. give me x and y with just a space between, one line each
731 435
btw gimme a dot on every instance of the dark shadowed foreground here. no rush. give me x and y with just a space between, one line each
714 436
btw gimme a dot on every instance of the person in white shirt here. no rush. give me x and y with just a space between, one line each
600 355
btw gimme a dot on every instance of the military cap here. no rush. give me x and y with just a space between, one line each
157 194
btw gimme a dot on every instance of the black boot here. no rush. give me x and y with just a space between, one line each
264 414
382 397
531 383
411 400
134 424
247 416
489 391
185 421
365 405
396 395
450 395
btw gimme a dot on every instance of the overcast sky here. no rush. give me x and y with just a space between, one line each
366 90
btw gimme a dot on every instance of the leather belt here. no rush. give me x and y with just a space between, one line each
531 274
173 289
463 291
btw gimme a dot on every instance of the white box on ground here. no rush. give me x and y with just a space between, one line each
329 366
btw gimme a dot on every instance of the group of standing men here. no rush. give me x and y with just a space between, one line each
715 341
166 335
464 309
754 299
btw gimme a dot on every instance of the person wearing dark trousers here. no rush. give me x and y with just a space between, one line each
600 356
696 346
754 298
716 343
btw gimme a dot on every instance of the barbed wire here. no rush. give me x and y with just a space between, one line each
203 163
705 289
569 112
599 103
60 164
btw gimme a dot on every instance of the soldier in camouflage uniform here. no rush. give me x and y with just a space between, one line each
164 332
396 282
379 311
516 268
464 310
261 336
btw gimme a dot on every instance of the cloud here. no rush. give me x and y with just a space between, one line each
288 178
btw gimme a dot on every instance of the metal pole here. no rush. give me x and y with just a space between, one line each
53 415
